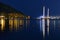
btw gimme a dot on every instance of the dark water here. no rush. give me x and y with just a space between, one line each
54 30
32 31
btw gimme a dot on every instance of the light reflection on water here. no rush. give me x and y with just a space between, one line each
33 26
14 24
17 24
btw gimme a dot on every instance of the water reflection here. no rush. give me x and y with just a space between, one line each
54 24
14 24
53 29
20 24
2 23
11 24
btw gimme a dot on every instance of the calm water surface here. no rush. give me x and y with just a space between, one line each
31 30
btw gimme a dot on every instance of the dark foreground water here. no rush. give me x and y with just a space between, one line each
32 31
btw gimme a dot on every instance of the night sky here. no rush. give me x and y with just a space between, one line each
33 8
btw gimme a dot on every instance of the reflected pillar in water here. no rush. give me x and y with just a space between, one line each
43 26
54 24
2 24
48 26
11 24
48 20
15 23
27 23
21 24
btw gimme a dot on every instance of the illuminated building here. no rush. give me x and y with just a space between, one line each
10 18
